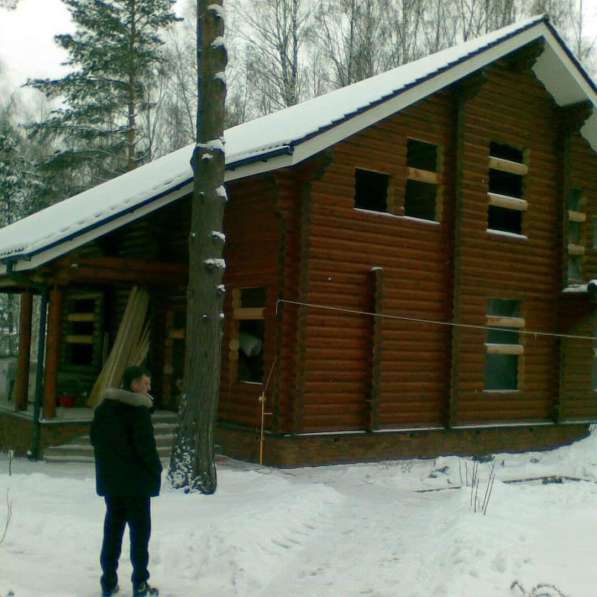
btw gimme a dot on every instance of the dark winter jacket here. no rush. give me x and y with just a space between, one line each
126 458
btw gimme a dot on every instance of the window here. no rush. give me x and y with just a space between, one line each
506 189
502 345
82 330
248 334
371 190
421 196
575 235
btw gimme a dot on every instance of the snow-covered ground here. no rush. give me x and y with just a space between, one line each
342 531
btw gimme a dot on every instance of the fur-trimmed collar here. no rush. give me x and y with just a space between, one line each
130 398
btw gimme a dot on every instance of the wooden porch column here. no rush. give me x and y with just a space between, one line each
22 379
52 353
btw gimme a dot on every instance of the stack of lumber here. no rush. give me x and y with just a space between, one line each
130 347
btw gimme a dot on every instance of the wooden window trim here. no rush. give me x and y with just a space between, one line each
505 322
77 317
426 176
575 250
577 216
507 202
74 339
245 313
508 349
509 166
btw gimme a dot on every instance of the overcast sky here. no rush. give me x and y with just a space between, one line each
27 48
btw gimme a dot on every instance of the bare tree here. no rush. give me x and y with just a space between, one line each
275 35
192 464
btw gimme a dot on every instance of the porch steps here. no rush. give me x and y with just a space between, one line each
79 449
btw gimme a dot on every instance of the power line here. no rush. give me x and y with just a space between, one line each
431 321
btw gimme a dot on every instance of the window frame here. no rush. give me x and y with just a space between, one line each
516 349
501 200
240 313
424 176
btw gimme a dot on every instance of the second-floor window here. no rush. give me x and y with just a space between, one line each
371 190
575 235
422 184
506 189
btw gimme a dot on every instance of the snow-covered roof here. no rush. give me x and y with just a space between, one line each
290 136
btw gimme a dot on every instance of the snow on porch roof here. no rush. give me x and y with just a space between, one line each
288 137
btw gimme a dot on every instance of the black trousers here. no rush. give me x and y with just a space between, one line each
120 511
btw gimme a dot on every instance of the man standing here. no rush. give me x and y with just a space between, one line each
128 473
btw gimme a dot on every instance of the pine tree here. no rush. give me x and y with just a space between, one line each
113 54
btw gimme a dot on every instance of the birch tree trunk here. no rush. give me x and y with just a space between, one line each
192 465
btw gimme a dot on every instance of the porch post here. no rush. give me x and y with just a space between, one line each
53 347
22 378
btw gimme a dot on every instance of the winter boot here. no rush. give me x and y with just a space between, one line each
143 589
110 592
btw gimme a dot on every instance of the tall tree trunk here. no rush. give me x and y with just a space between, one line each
192 464
131 133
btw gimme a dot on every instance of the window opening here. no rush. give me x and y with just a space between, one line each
502 345
371 190
575 234
82 335
421 155
506 188
422 185
248 334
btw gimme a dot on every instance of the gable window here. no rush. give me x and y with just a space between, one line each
371 190
422 190
506 189
248 334
575 235
503 346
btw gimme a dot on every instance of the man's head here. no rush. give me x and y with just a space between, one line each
136 379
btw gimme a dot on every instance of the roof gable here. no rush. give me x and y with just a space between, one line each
290 136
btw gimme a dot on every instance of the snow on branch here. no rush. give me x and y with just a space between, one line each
215 264
218 236
221 193
217 10
213 145
220 76
218 42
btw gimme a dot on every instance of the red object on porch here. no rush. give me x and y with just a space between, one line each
66 400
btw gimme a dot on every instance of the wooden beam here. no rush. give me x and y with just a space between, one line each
508 166
498 200
244 313
577 216
80 317
507 322
79 339
22 380
575 249
376 280
52 353
524 59
574 116
508 349
423 176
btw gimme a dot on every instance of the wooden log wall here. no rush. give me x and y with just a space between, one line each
251 253
345 244
511 107
578 400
